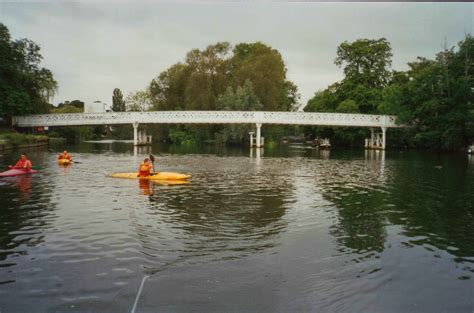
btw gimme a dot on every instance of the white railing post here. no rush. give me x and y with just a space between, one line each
384 137
258 143
135 133
372 139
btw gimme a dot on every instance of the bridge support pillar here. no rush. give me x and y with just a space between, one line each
384 137
258 142
135 133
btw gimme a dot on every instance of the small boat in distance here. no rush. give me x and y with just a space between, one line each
321 143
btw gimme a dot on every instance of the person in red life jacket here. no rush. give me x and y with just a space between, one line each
23 163
145 168
64 156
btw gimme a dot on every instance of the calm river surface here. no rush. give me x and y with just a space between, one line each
295 230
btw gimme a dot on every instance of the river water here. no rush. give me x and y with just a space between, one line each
289 230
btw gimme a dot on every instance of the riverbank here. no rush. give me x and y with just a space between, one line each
12 140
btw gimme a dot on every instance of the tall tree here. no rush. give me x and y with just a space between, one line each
73 133
197 83
167 90
25 87
265 68
366 62
138 101
243 99
366 65
118 104
436 98
206 75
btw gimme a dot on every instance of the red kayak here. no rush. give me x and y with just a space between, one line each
16 172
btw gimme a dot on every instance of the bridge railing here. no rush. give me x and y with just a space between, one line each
206 117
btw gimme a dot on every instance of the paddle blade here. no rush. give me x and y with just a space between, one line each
152 158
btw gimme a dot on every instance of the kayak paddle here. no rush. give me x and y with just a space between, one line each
152 159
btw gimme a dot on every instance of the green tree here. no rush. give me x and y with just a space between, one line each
206 75
265 68
366 65
72 133
138 101
25 87
75 103
243 99
366 62
118 104
167 90
435 97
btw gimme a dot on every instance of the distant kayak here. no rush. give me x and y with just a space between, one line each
16 172
64 162
153 176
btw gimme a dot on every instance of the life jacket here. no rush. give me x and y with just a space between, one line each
64 156
21 164
145 169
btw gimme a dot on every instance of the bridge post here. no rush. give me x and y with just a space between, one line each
258 143
135 133
372 139
384 137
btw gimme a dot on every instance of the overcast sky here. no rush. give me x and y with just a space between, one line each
94 47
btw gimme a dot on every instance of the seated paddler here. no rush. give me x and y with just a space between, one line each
23 163
145 168
64 156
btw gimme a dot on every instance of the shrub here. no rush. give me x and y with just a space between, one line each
17 139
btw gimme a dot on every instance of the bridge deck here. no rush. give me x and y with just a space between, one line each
206 117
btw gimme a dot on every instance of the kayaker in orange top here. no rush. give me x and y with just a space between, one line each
64 156
145 168
23 163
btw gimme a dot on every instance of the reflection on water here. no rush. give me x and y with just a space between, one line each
21 183
301 228
146 187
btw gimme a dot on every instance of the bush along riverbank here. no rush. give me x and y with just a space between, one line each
13 140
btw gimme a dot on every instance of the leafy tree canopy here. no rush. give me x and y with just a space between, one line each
118 104
138 101
25 87
433 96
206 74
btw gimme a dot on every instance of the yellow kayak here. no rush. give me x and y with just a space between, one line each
153 176
64 161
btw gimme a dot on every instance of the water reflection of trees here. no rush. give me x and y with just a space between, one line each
358 189
23 212
434 200
429 196
223 217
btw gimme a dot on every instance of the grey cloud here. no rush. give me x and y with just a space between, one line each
93 47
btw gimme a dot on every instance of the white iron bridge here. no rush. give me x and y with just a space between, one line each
258 118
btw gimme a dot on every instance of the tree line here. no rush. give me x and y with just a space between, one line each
434 96
247 77
25 86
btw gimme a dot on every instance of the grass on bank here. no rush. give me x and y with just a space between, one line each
17 139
